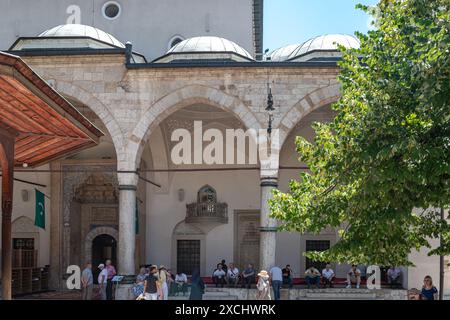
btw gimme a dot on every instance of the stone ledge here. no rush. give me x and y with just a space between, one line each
309 294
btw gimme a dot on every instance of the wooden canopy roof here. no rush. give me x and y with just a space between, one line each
45 125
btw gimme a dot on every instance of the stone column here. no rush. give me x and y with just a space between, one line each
127 206
269 155
268 227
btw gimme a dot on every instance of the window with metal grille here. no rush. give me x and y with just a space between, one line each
316 245
23 243
188 256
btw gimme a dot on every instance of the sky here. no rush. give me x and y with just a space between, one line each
295 21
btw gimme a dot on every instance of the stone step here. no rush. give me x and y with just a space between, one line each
207 296
178 297
344 294
217 293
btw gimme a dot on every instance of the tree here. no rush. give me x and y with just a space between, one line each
387 151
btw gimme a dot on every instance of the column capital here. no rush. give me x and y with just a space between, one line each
269 182
131 187
268 229
127 178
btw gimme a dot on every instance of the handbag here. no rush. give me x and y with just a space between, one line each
140 297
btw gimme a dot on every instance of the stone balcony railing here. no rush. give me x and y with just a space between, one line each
207 212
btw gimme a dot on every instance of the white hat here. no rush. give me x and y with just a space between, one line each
101 266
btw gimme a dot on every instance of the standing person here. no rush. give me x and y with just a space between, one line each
429 291
111 273
224 266
328 276
219 276
170 281
276 277
102 281
152 286
163 281
232 275
248 276
87 282
138 288
263 286
197 286
312 276
393 276
353 276
287 276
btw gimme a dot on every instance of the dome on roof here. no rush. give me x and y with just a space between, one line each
325 42
282 53
80 30
210 45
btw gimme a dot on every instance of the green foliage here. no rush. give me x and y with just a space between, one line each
388 149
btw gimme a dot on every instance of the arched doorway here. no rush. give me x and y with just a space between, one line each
104 247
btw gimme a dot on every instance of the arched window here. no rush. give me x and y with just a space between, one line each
174 41
206 194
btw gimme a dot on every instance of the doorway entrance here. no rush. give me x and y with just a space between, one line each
104 247
188 256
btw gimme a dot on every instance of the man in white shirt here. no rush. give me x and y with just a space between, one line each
181 282
354 276
276 277
219 276
328 276
102 281
232 275
393 276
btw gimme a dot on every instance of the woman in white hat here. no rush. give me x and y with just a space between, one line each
163 281
263 286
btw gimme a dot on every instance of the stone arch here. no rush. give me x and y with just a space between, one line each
92 235
183 97
306 105
188 231
88 99
24 224
23 227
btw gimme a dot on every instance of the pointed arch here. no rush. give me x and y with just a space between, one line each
306 105
88 99
183 97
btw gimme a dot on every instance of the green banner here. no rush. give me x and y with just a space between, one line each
136 217
39 219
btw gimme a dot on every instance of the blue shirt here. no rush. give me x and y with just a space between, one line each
87 276
429 293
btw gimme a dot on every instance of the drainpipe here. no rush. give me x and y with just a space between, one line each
441 266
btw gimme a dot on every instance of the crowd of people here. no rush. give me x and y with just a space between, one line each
104 280
158 283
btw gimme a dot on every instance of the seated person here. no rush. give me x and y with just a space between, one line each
328 276
219 276
393 276
232 275
353 276
287 276
312 276
248 276
180 283
429 291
